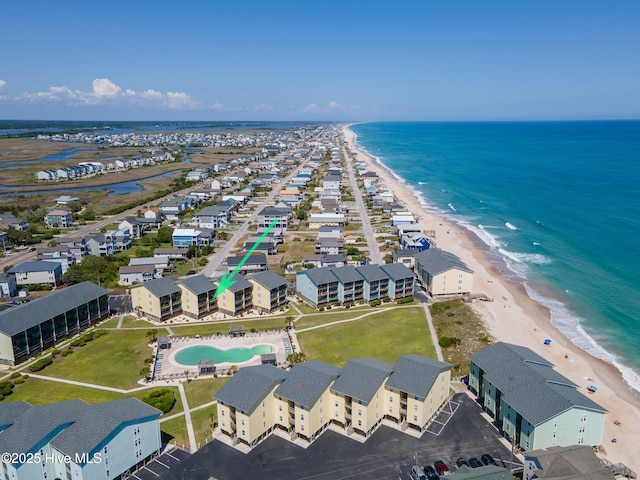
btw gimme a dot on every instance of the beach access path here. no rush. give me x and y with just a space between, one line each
215 260
367 230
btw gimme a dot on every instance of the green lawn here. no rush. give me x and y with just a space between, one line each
384 336
200 392
334 316
176 430
201 421
114 360
111 323
131 321
267 323
304 308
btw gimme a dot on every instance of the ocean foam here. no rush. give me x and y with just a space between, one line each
510 226
570 326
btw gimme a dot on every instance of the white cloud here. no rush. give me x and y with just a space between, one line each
334 106
312 107
106 92
3 83
103 87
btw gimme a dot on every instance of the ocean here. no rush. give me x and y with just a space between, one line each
558 202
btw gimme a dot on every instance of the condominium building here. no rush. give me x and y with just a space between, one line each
158 299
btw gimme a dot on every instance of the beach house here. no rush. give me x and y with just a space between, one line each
442 273
532 404
238 298
39 272
269 214
59 218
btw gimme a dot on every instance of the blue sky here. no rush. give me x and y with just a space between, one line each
319 60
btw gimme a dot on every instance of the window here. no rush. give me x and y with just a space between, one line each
302 416
302 427
359 412
243 433
415 418
359 423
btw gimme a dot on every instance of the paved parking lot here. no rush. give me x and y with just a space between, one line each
167 463
387 454
121 302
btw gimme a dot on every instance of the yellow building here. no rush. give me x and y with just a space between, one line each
198 296
158 299
247 404
442 273
269 291
415 390
312 395
237 298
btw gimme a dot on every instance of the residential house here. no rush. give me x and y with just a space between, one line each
330 231
268 245
415 241
173 207
29 329
238 298
211 218
442 273
120 239
9 222
317 220
291 197
184 237
158 299
74 439
330 194
270 214
531 403
60 253
100 245
136 226
330 246
160 263
59 218
198 296
402 218
77 248
405 257
269 291
131 274
8 286
257 262
37 272
339 260
173 254
332 182
216 186
572 462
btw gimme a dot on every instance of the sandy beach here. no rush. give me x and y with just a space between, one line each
513 317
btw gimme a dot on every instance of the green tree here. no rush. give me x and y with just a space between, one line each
165 234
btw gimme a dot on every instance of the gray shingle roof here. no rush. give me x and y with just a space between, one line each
436 261
37 266
22 317
528 382
273 211
160 287
254 259
319 276
197 284
249 385
268 279
240 283
82 427
361 378
372 273
397 271
307 381
96 422
212 211
347 274
415 374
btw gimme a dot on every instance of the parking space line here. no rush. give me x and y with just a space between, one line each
176 458
145 467
165 466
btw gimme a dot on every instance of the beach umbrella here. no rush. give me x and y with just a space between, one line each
547 342
593 388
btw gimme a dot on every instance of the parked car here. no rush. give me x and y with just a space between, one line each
475 463
488 459
417 473
462 461
191 272
431 472
441 467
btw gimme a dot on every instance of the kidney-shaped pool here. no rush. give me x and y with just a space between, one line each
192 355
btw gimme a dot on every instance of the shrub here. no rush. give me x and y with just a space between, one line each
6 388
15 374
446 342
400 301
162 399
18 381
374 303
321 309
55 351
41 364
66 352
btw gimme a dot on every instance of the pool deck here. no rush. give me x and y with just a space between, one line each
166 367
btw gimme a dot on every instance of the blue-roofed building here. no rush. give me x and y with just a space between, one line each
37 272
76 440
29 329
532 403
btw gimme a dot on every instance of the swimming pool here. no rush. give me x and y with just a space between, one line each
191 355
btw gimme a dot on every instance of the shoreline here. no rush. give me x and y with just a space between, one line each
520 319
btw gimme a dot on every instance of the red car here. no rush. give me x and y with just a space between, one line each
441 467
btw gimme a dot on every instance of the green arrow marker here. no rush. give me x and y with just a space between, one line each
227 280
